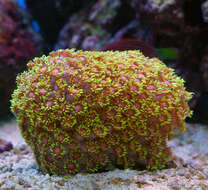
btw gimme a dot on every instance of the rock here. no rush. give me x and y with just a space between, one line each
59 12
18 44
5 146
99 24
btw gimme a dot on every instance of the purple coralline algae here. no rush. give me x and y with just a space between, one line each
18 44
5 146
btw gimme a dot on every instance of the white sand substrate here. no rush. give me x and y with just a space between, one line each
18 170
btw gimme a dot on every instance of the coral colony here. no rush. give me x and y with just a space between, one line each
88 111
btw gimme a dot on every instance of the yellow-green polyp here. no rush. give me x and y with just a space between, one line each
82 111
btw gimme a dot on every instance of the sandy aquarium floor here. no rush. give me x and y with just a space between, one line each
18 170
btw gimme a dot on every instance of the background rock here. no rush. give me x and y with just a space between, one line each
104 22
18 44
51 15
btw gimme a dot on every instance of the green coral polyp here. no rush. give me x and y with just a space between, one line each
83 131
71 167
91 165
76 155
120 150
61 136
100 131
57 150
44 139
73 144
83 111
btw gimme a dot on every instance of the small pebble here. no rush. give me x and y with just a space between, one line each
181 172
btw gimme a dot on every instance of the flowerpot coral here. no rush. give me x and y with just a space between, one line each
86 111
